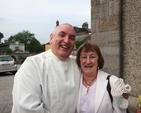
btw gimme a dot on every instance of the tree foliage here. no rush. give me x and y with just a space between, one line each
23 37
1 36
35 46
6 50
78 43
29 40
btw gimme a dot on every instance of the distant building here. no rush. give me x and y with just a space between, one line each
16 46
83 30
47 46
82 34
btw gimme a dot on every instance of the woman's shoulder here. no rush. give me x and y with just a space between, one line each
105 73
113 78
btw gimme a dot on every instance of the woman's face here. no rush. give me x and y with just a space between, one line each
89 62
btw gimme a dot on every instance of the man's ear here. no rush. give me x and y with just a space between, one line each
51 37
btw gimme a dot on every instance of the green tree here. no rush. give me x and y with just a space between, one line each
29 40
35 46
23 37
1 36
78 43
7 50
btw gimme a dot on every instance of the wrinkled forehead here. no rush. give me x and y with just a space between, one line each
66 28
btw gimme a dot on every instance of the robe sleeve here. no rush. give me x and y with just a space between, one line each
27 90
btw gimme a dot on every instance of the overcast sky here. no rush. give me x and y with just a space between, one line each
39 16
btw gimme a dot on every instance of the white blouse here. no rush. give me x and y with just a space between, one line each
87 101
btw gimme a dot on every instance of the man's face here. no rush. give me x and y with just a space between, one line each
62 41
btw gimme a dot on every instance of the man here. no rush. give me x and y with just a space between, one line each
49 82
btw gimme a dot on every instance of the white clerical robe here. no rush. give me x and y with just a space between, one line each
45 84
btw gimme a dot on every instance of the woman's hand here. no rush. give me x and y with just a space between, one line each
125 95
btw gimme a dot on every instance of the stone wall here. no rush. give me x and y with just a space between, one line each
105 27
132 47
116 28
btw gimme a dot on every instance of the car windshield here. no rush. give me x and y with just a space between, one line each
6 58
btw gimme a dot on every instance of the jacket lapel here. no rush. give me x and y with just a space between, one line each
100 89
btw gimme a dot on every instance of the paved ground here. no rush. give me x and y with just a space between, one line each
6 85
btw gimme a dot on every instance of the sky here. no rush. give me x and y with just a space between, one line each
40 16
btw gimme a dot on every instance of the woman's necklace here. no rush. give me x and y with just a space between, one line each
88 85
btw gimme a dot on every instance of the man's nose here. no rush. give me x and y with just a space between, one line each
66 39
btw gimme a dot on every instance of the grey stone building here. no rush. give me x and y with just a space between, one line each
116 28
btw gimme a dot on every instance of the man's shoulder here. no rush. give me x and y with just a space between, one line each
40 55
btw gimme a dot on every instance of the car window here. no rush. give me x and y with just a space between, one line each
1 58
6 58
9 58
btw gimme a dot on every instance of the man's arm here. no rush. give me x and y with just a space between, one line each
27 91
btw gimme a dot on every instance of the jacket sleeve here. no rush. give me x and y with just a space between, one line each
27 90
118 87
116 109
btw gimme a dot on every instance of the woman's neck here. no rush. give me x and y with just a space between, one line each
89 80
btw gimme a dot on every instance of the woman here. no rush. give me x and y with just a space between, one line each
94 97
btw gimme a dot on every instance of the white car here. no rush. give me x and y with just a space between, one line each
7 64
